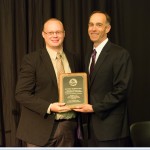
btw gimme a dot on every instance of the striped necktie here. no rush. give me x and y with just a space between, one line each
59 66
93 56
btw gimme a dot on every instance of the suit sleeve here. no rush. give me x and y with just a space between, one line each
25 88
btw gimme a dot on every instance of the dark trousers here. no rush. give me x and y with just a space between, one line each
63 135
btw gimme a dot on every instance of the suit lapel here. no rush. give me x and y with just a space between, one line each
48 63
100 61
87 61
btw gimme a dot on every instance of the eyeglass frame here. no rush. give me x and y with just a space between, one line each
52 33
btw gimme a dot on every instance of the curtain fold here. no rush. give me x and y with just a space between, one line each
21 23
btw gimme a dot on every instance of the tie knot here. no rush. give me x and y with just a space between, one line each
58 56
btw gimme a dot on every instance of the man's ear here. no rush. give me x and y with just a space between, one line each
43 34
108 27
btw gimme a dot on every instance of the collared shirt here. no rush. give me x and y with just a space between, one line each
53 55
98 51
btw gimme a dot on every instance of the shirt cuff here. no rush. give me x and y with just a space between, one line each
49 109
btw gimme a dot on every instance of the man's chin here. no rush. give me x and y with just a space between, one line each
57 46
93 40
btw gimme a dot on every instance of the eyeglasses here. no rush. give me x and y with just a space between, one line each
52 33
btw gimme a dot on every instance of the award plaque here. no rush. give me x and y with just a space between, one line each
73 89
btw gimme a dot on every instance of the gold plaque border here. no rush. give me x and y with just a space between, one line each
84 76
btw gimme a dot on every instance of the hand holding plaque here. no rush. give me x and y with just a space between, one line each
73 89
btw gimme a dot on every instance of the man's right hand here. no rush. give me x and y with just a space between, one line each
59 107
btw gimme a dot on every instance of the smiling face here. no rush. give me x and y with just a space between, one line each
53 34
98 28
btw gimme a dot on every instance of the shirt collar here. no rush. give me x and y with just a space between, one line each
101 45
53 53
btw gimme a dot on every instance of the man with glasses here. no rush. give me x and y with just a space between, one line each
44 121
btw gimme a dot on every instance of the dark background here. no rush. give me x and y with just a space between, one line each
21 24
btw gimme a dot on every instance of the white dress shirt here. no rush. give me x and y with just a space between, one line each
98 51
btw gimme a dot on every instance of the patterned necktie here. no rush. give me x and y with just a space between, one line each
59 66
93 61
60 70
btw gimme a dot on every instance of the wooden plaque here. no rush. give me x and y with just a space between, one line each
73 89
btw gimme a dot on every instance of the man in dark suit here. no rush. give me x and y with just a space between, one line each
37 92
109 84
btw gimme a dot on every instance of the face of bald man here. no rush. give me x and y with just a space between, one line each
53 34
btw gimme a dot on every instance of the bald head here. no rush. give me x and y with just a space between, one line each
53 20
53 34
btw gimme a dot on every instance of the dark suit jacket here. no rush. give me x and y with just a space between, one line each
35 90
108 92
